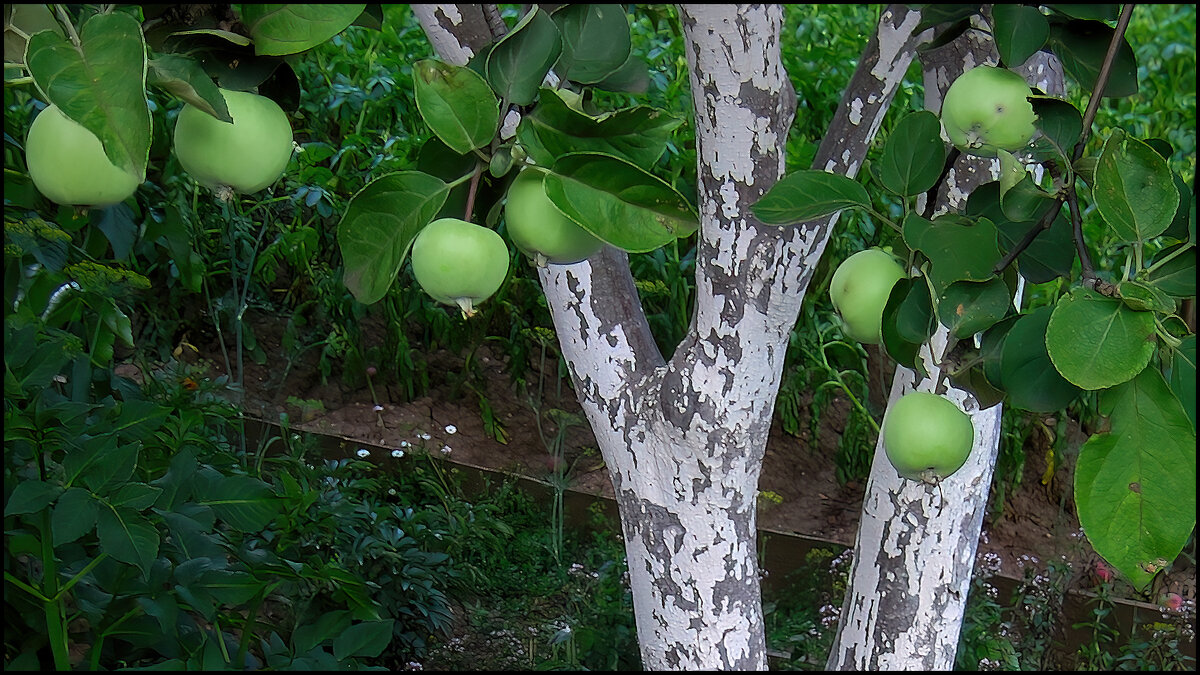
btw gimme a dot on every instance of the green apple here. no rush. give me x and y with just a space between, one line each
539 229
245 156
459 263
68 165
859 289
986 109
926 436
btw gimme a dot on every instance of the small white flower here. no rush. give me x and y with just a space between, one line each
397 453
363 452
450 429
445 449
424 436
378 408
404 444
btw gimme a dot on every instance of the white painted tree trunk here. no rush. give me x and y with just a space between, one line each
684 436
916 543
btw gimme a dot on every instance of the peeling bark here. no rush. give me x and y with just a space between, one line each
916 543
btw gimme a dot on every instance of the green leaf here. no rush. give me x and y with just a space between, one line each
958 248
518 63
136 496
31 496
595 41
100 84
1020 31
74 515
1048 257
246 503
1134 189
22 20
1177 276
128 536
1060 122
1020 198
619 202
632 77
1098 342
1181 375
1141 296
379 225
554 129
365 639
914 155
807 195
278 30
185 78
1082 45
968 307
908 321
1028 376
456 103
327 626
1182 227
1135 487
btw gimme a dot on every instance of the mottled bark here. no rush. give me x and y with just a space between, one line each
684 435
916 543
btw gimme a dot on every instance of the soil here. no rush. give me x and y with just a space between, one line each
1037 520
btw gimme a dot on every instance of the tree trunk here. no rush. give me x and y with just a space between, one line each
684 437
916 543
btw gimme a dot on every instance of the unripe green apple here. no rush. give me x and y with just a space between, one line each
247 155
926 436
539 229
859 290
68 165
986 109
459 263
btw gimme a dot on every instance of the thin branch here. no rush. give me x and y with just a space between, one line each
1110 57
1042 225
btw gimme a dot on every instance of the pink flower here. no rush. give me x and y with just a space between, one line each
1172 601
1103 572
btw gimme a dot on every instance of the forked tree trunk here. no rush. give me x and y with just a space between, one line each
916 543
684 436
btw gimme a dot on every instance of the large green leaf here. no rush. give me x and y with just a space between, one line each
595 41
365 639
101 84
908 321
128 536
185 78
1097 342
1135 486
958 248
1025 371
553 129
278 30
968 307
619 202
1177 276
1048 257
456 103
31 496
809 194
379 225
1019 31
1081 45
914 155
1181 375
244 502
518 63
1134 189
74 515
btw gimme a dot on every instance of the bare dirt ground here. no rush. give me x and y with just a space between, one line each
1037 520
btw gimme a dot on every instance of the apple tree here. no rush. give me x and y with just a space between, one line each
991 185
